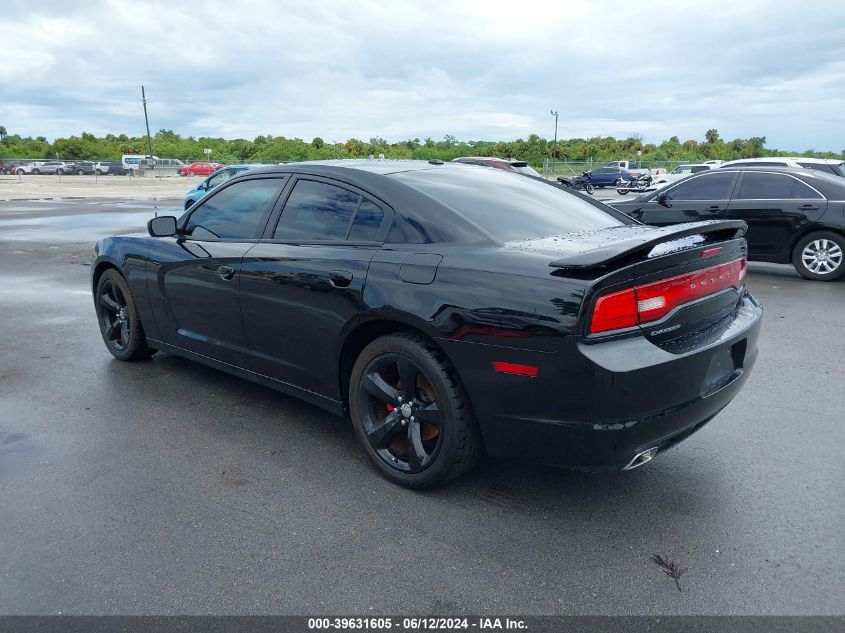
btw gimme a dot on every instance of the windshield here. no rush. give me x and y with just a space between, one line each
510 206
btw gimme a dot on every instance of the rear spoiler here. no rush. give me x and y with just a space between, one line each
639 246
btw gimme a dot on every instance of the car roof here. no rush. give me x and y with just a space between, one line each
794 159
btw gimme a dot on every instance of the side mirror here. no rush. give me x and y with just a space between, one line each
162 226
662 197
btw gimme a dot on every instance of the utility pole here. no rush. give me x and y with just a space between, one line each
554 146
147 121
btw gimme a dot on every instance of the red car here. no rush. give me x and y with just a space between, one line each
5 168
201 168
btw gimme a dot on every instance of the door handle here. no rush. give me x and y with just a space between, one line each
226 273
714 207
340 278
808 207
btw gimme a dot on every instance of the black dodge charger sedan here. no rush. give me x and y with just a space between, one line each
449 310
794 216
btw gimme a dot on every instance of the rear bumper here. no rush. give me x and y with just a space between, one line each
595 406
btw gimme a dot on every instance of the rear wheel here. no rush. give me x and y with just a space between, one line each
819 256
589 189
411 414
119 323
36 171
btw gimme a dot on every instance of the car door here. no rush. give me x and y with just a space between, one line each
702 197
303 284
194 293
605 176
776 206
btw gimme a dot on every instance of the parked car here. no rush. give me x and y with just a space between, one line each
6 168
447 310
610 176
794 215
110 168
217 178
200 168
29 168
827 165
681 171
506 164
54 167
80 167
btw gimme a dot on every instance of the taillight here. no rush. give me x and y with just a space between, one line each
650 302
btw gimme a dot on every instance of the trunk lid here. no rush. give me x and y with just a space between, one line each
696 264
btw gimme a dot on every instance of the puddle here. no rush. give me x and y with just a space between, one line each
76 228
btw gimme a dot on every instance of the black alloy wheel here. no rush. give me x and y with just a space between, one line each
410 413
119 323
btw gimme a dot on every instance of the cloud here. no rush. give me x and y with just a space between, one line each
476 70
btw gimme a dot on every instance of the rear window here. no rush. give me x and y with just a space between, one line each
509 206
823 167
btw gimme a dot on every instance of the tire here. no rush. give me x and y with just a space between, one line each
589 189
622 192
36 172
120 326
418 438
81 172
820 256
99 172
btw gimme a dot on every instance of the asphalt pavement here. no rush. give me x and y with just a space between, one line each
165 487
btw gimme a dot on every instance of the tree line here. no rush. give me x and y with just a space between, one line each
271 149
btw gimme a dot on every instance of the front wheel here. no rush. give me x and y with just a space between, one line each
120 325
819 256
622 192
36 172
410 412
589 189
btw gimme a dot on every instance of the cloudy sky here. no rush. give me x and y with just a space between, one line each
476 70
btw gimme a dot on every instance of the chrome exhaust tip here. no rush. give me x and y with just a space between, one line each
642 458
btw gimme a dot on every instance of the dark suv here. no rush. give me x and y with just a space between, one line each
81 167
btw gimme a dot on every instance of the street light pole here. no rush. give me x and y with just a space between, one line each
554 146
147 121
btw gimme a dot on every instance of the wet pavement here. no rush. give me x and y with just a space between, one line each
167 487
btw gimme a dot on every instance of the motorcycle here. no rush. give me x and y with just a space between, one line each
578 183
623 187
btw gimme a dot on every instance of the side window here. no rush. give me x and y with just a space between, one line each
235 212
367 223
717 186
316 211
828 169
219 179
772 187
